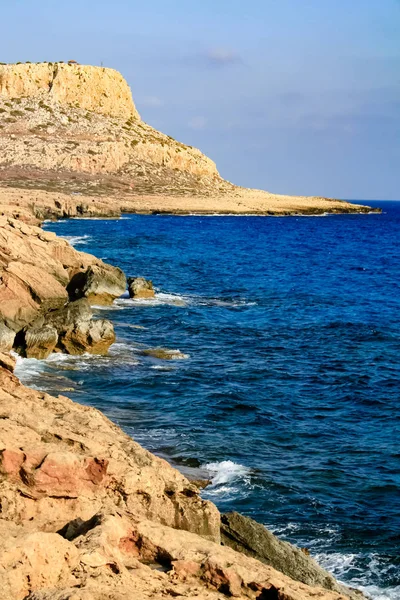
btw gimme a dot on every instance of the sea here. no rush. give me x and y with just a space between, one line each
286 394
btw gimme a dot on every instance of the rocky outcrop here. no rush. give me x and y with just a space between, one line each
61 461
139 287
91 88
38 342
36 317
87 514
253 539
100 284
7 361
70 329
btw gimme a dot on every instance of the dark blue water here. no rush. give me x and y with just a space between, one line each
289 397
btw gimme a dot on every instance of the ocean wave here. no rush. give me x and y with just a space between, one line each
351 569
76 240
228 479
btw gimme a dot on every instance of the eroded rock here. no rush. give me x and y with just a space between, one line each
39 342
7 337
7 361
139 287
100 284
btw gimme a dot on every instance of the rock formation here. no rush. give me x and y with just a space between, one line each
87 514
36 315
253 539
139 287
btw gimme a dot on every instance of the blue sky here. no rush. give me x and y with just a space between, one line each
292 96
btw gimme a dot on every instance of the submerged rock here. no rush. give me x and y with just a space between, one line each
165 354
100 284
139 287
253 539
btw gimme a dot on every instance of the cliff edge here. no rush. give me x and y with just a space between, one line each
97 89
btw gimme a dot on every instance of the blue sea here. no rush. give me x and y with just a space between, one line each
288 398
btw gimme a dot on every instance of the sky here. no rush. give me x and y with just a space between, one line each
291 96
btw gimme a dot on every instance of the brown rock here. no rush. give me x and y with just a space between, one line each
100 284
7 337
39 342
79 332
7 361
56 435
87 514
139 287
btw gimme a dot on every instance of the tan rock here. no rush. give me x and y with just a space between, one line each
134 480
7 361
100 284
39 342
139 287
92 88
7 337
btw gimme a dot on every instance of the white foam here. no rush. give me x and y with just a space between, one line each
345 567
376 593
225 472
159 299
75 240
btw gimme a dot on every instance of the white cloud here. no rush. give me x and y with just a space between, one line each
198 122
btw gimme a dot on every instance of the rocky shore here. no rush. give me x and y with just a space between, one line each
86 513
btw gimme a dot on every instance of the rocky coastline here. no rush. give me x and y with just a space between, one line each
86 513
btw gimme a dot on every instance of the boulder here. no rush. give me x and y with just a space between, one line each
139 287
94 336
100 284
78 332
39 342
7 337
253 539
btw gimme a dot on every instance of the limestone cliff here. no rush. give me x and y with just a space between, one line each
97 89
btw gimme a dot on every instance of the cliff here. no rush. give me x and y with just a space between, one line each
100 90
74 129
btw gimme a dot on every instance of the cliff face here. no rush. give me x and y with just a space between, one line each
97 89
